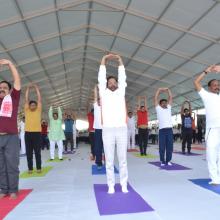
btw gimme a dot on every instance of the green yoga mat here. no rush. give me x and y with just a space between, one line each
151 156
44 171
56 160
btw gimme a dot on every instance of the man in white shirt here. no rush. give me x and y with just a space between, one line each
21 135
114 121
211 100
131 131
163 109
97 125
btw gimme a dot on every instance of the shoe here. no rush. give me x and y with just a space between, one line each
61 158
2 195
169 164
214 183
124 189
145 154
142 154
13 196
111 190
162 164
183 152
189 152
51 159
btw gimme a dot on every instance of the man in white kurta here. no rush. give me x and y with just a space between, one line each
131 131
211 100
114 123
21 135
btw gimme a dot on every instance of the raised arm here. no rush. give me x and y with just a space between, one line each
15 74
60 114
156 97
39 100
182 108
197 81
50 113
138 102
170 96
96 93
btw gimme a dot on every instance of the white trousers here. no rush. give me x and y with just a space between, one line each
60 149
115 137
131 139
213 153
74 139
23 147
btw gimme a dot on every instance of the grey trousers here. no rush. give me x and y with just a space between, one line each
9 162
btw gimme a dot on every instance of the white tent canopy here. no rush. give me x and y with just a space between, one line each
58 44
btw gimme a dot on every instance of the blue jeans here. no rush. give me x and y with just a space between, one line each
98 146
166 144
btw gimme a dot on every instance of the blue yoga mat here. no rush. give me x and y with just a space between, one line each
204 183
95 170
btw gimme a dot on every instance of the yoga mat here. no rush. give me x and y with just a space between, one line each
119 203
7 204
95 170
186 154
174 166
56 160
151 156
69 152
132 150
45 170
198 148
204 183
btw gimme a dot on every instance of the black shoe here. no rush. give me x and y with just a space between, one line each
145 154
51 159
142 154
183 152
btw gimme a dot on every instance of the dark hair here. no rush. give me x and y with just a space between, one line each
210 82
8 83
142 106
130 113
163 100
112 77
32 102
186 109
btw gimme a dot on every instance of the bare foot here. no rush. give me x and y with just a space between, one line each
13 196
2 195
39 171
30 171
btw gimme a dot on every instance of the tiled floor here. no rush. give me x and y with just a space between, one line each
66 192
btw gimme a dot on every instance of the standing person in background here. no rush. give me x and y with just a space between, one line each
90 117
186 127
21 135
9 141
44 137
163 109
68 121
131 131
114 121
97 125
56 134
193 129
142 124
33 111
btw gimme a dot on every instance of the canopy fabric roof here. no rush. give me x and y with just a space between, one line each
58 44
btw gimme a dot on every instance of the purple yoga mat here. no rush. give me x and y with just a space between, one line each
186 154
174 166
119 203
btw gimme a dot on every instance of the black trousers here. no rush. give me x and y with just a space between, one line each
33 144
98 147
9 162
187 138
92 142
44 141
69 138
143 139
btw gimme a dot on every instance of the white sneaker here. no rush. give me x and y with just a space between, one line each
162 164
124 189
111 190
169 164
213 183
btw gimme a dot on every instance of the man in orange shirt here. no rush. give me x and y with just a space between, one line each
142 124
